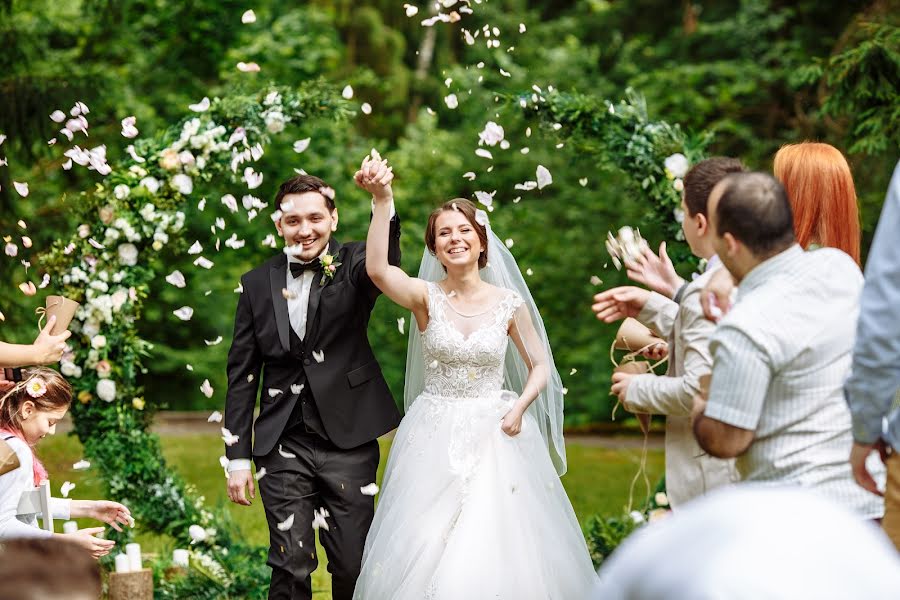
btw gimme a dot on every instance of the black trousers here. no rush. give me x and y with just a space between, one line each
321 476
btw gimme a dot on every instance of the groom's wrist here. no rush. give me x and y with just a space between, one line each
239 464
388 199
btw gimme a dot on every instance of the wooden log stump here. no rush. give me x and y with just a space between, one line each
135 585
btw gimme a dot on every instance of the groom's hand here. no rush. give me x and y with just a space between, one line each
238 481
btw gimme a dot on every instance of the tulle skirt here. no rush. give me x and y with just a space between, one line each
467 512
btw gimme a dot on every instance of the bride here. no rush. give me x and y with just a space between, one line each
471 505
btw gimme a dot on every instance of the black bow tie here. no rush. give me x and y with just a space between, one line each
297 269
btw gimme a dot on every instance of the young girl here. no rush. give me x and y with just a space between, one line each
28 412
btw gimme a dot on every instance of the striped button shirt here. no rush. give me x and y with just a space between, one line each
780 358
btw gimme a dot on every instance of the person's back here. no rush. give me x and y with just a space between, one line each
799 308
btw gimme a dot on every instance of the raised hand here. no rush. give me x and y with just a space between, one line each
716 296
86 539
619 303
375 176
655 272
112 513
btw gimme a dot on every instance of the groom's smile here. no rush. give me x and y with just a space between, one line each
306 224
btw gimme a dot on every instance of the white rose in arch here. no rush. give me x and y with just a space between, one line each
275 122
98 342
183 184
128 254
106 390
678 165
121 191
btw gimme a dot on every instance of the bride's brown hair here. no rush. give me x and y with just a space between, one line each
469 210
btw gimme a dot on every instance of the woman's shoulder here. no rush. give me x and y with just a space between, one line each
22 450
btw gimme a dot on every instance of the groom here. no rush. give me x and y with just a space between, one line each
301 321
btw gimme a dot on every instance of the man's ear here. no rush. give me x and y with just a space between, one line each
334 220
702 223
278 228
731 244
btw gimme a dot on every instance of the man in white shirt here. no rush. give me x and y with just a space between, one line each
781 355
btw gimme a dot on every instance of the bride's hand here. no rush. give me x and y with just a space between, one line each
512 423
375 176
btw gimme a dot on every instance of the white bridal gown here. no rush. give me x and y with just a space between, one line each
467 512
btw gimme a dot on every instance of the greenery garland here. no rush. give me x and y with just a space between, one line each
108 266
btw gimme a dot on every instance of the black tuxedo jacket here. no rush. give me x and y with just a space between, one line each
353 399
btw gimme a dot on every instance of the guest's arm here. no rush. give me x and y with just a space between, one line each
875 374
726 423
46 349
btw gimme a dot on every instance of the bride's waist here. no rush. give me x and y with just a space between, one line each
493 396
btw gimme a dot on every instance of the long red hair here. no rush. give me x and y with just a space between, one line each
820 187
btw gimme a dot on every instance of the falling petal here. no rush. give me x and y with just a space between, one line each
229 438
369 490
543 177
274 392
301 145
347 92
260 473
573 371
215 417
509 242
319 355
596 280
214 342
184 313
81 465
176 278
411 10
469 175
248 17
66 487
286 524
248 67
204 263
21 188
28 288
253 179
45 281
401 323
206 388
529 272
285 453
451 101
57 116
366 108
197 534
583 181
11 249
201 106
483 153
319 519
297 388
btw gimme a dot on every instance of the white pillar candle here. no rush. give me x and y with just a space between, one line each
122 563
70 527
134 556
180 558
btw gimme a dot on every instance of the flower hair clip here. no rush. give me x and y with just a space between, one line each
36 387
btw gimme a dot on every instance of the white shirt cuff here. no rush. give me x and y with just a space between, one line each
393 212
238 464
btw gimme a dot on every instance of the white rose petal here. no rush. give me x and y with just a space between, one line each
253 179
201 106
491 135
369 490
484 153
248 17
66 487
366 108
184 313
401 323
301 145
527 186
319 355
81 465
195 248
203 263
347 93
206 388
151 183
411 11
21 188
197 533
319 519
274 392
215 417
285 453
469 175
485 198
183 184
260 473
543 177
286 524
176 278
214 342
296 388
451 101
230 201
248 67
229 438
121 191
57 116
128 127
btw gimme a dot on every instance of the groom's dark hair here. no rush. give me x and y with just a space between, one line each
703 177
302 184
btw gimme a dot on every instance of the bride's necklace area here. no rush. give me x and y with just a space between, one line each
468 308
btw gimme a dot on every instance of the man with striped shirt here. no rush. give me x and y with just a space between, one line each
782 353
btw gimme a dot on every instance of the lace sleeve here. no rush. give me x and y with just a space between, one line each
508 306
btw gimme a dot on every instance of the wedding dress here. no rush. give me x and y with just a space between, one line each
467 512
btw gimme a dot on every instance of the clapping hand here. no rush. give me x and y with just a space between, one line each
375 176
619 302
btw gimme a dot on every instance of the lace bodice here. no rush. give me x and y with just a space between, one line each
464 354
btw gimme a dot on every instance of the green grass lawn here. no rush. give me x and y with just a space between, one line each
598 480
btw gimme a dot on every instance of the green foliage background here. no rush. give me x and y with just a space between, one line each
754 74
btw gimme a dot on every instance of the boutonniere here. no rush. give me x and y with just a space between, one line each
329 267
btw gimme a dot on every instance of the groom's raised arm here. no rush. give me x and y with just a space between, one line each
244 366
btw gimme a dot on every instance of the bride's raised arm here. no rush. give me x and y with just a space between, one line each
375 177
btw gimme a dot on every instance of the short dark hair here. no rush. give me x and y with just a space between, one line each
703 177
302 184
47 569
469 210
754 208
